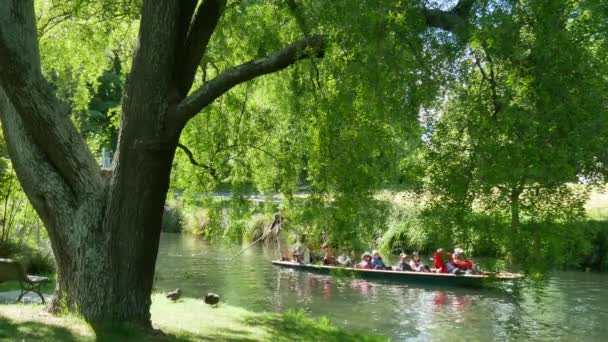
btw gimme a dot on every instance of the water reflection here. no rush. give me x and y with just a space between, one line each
455 302
568 306
403 311
361 286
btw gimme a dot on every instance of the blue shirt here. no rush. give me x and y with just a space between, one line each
378 263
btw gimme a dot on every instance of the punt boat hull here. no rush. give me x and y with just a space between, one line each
472 280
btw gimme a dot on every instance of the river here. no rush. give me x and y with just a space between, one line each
569 306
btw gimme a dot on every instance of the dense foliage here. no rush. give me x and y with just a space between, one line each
491 124
523 122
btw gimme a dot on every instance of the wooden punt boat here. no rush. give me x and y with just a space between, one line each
475 280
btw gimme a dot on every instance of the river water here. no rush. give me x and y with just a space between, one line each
569 306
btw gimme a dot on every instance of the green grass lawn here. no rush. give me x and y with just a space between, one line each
14 285
186 320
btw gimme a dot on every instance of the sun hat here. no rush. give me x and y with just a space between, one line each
403 255
366 254
375 252
458 251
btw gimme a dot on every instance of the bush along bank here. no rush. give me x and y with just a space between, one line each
540 246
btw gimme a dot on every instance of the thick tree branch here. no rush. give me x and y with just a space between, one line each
186 12
43 117
47 191
497 105
491 80
454 20
197 38
146 103
306 48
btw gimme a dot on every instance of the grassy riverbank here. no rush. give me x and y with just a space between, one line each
187 320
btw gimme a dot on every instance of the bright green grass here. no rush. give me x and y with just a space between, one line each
187 320
599 214
14 285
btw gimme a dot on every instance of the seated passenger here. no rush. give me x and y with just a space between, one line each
404 263
344 261
417 265
298 254
459 260
438 261
377 262
366 261
301 254
449 266
328 257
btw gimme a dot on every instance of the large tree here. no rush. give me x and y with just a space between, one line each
104 225
526 120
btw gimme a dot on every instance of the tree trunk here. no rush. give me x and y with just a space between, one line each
515 223
110 276
515 212
104 226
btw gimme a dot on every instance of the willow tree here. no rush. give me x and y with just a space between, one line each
104 225
525 122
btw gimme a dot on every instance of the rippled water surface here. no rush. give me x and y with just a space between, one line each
571 306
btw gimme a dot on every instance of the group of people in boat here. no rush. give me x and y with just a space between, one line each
455 263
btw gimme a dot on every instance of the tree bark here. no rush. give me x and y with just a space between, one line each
515 211
104 231
515 223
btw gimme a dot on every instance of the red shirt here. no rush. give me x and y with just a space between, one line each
462 264
438 261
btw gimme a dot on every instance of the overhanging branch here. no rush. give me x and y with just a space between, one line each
301 21
454 20
189 155
194 162
208 92
497 106
491 78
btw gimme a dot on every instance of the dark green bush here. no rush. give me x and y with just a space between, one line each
34 260
596 258
9 249
39 262
172 220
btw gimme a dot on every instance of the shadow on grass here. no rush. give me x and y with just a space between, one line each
293 326
107 333
33 331
192 321
232 335
286 327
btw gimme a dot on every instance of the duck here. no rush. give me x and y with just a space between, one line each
174 295
212 299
